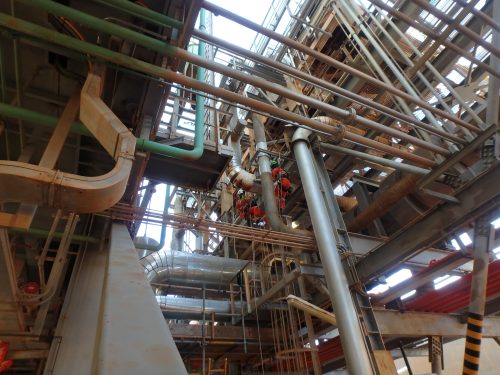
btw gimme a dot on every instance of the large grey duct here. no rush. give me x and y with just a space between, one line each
195 306
188 269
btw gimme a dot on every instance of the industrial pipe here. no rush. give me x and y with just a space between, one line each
69 191
200 61
477 39
236 173
384 202
155 44
435 35
311 309
190 269
330 61
351 336
376 159
143 12
266 180
318 82
169 75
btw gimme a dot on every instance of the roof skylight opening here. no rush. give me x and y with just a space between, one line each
445 280
465 238
496 251
398 277
455 76
496 223
455 244
380 288
409 294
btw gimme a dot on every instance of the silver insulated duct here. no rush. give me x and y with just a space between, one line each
188 269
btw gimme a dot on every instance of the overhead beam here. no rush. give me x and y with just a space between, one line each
477 198
415 324
218 332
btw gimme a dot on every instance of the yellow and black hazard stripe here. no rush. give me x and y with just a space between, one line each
473 344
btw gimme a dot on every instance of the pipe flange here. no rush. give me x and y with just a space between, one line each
350 117
339 137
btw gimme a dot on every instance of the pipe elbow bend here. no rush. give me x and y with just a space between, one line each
302 134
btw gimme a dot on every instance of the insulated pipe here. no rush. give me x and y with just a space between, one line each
351 336
325 85
166 49
190 269
236 173
330 61
169 75
68 191
311 309
384 202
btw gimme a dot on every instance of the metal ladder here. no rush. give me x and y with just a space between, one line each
361 300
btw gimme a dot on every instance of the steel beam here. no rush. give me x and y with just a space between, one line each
415 324
477 198
220 332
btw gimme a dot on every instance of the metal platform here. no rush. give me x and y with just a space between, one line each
201 174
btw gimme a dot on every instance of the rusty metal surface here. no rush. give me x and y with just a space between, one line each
477 198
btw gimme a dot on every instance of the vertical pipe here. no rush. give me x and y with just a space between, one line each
477 296
494 83
351 336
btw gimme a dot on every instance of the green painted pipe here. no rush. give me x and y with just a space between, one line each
143 13
42 233
19 113
154 44
99 24
27 115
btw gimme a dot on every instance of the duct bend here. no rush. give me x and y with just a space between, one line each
32 184
238 176
188 269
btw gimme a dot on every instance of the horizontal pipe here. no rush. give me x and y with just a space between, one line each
477 39
171 76
325 85
189 269
384 202
487 19
333 63
199 60
43 233
143 12
435 35
311 309
375 159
